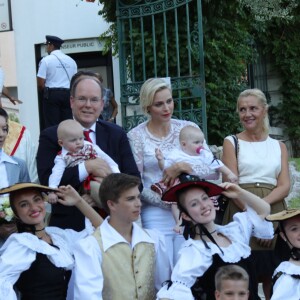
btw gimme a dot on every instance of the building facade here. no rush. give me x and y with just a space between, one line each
23 26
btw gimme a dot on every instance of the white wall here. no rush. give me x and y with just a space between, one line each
8 64
32 20
7 57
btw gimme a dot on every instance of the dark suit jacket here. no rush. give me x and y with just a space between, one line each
111 138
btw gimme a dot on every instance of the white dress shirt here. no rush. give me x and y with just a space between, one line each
50 69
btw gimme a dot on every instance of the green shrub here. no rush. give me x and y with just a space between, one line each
295 202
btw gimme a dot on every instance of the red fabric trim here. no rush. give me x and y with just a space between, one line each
18 141
87 184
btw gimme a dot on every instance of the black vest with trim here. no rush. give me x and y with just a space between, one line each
43 281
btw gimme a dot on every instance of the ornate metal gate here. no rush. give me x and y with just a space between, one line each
162 38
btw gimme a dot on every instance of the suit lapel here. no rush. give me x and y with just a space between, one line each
101 137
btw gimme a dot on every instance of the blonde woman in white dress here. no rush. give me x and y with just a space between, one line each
160 131
261 164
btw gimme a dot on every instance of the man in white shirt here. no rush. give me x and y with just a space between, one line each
54 76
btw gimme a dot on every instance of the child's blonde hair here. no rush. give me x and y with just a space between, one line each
65 127
230 272
187 131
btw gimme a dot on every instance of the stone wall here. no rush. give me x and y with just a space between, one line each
295 182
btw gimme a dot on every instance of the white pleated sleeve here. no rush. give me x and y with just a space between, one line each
13 261
88 276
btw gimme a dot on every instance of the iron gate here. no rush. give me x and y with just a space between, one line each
162 38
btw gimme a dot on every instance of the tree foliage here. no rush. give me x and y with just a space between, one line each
231 28
228 50
281 40
269 9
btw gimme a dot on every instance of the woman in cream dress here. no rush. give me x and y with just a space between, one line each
261 164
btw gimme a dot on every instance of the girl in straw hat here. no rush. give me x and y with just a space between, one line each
286 277
37 260
210 246
12 170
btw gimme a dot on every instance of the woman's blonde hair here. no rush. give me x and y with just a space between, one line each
148 90
263 101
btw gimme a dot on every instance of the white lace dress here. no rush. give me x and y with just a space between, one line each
156 215
20 249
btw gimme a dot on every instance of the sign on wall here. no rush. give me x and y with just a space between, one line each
78 46
4 16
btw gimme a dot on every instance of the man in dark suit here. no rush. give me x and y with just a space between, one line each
86 104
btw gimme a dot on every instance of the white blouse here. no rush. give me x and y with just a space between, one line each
287 287
258 161
19 252
195 258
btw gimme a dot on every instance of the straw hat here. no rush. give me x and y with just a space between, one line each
283 215
26 185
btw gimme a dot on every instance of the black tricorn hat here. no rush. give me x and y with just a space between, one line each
211 189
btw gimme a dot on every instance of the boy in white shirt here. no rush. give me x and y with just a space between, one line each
120 260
